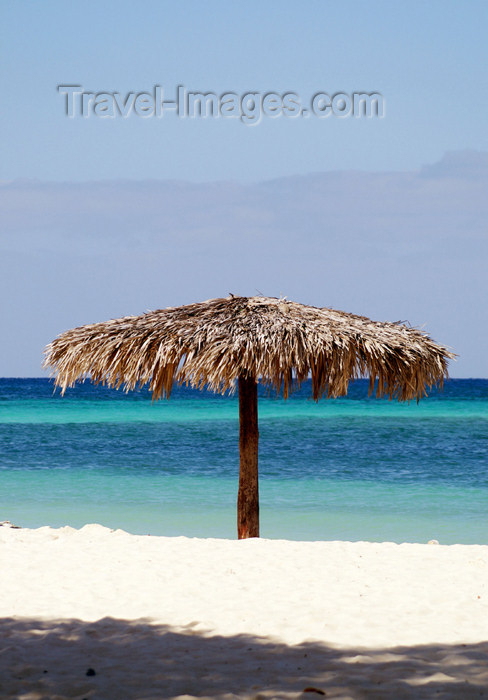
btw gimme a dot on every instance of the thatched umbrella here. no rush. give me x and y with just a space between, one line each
219 342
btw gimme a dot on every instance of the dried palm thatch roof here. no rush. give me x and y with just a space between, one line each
277 341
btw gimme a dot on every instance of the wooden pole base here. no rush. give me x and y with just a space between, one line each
248 495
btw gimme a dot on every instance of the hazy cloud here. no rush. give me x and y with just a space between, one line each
467 165
391 245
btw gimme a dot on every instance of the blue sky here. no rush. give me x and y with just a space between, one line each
385 217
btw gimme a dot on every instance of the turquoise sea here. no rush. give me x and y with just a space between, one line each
354 468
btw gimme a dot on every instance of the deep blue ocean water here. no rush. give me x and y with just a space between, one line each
354 468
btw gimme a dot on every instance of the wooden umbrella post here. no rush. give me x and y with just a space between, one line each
248 495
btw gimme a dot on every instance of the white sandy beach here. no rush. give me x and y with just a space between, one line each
158 617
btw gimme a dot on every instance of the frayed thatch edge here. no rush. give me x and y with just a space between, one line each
278 342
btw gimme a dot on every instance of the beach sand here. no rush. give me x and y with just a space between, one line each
102 614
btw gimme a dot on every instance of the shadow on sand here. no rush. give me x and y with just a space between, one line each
137 659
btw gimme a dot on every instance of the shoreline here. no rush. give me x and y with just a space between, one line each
361 601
